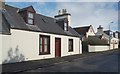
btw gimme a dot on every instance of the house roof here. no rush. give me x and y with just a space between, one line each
93 40
82 30
107 32
98 36
24 9
5 26
42 23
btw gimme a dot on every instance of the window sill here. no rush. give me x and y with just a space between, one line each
44 53
30 24
70 51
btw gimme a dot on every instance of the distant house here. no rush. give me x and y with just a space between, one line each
27 35
108 36
85 31
117 35
96 44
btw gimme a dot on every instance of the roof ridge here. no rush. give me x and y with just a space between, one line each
44 15
81 27
11 6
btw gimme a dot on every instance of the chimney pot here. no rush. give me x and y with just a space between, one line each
59 12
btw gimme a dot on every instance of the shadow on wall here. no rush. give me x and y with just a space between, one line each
14 56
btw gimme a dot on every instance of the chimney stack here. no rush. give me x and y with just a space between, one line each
100 29
62 14
59 12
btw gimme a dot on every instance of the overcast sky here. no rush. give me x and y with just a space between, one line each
82 13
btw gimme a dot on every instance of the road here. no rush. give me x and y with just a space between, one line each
107 62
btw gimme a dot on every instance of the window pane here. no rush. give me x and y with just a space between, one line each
40 47
40 40
65 26
30 21
70 42
45 48
45 40
44 44
30 15
70 45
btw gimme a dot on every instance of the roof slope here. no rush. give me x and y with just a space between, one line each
107 32
5 26
93 40
82 30
42 23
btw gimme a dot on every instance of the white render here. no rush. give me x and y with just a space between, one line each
90 32
27 42
0 49
98 48
114 42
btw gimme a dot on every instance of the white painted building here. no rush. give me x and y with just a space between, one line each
85 31
35 36
107 35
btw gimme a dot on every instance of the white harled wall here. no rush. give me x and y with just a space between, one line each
90 32
25 45
0 49
98 48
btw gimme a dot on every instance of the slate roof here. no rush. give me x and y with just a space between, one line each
23 9
82 30
42 23
98 36
5 26
93 40
107 32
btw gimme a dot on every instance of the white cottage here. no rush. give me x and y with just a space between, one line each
108 35
26 35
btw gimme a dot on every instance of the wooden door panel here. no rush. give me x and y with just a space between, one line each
57 47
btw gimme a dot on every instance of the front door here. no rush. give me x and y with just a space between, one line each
57 47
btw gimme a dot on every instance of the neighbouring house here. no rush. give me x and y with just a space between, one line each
27 35
85 32
108 36
117 35
95 44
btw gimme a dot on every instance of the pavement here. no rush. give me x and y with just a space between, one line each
61 64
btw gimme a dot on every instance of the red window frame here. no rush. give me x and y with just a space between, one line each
42 45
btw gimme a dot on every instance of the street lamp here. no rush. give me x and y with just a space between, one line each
110 34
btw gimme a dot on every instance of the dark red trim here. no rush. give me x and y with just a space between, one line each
43 47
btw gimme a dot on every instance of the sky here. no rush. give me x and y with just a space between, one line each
83 13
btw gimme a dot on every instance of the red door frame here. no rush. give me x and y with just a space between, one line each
57 47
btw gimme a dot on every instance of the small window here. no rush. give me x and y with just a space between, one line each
70 45
30 15
30 21
44 47
30 18
65 26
